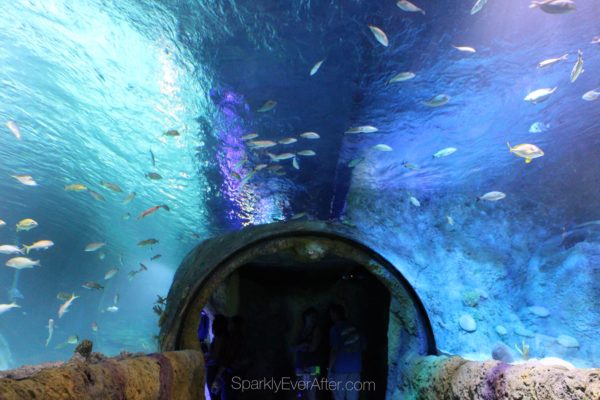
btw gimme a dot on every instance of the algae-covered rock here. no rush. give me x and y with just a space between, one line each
471 298
502 353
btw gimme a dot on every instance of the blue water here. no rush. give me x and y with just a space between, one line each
93 85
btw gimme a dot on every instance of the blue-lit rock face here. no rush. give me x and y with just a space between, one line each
91 88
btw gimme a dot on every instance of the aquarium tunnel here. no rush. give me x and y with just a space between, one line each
431 166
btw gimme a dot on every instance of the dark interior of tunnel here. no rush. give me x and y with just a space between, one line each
271 293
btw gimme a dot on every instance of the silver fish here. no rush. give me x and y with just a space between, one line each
578 67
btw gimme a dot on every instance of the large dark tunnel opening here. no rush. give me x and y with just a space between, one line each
271 293
269 275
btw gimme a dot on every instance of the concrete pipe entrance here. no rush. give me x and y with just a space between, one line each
269 273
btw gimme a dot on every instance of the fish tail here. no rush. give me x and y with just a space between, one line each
509 148
14 304
534 4
26 249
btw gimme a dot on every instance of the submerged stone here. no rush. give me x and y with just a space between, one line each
539 311
500 330
567 341
524 332
467 323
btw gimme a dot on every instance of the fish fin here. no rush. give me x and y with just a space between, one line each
510 148
527 160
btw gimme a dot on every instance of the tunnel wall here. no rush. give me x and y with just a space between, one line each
177 375
205 269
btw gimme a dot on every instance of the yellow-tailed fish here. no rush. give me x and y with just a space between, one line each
295 163
22 263
39 245
76 187
526 151
26 224
26 180
306 153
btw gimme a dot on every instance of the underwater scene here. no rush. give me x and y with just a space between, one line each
460 138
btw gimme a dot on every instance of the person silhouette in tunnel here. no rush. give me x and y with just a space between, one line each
240 360
307 346
345 358
218 359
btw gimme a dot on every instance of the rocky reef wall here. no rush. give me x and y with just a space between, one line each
450 378
162 376
491 273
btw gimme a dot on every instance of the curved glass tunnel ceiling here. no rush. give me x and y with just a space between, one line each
90 89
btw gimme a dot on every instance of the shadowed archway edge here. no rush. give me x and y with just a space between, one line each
208 256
